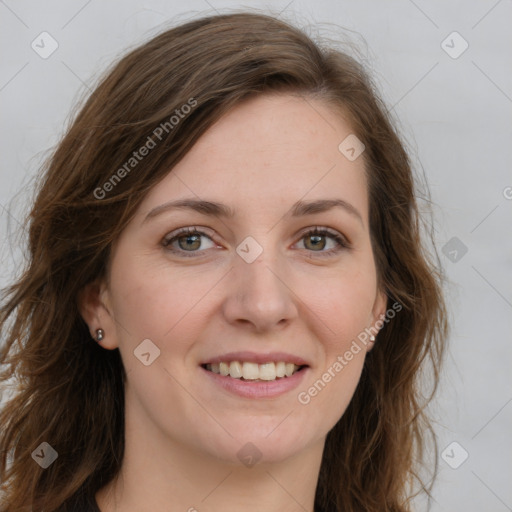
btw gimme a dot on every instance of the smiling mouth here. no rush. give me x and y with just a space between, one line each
253 371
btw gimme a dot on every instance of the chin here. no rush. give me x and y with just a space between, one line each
269 443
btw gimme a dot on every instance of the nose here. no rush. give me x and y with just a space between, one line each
259 297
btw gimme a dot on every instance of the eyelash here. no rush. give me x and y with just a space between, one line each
343 244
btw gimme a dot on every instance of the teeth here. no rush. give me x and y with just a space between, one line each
224 369
267 371
250 371
289 369
253 371
235 369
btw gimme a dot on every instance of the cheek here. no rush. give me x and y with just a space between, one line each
159 302
342 311
342 304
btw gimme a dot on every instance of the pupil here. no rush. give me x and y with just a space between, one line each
190 239
317 241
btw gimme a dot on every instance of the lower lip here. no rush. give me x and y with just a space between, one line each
260 389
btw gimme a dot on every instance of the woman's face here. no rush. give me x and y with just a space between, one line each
236 277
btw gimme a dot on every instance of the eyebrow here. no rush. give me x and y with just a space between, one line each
214 209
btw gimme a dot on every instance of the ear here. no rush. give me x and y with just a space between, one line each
95 309
380 306
378 313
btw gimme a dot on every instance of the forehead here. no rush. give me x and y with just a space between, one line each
268 151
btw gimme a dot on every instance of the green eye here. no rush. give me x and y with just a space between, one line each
317 240
187 240
191 242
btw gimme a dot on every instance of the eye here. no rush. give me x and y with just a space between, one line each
318 239
189 240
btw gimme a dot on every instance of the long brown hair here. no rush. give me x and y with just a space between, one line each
70 392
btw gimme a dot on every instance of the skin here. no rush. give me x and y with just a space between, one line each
182 431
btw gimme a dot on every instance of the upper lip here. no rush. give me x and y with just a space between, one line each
259 358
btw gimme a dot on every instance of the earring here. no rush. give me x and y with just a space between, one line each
372 337
99 334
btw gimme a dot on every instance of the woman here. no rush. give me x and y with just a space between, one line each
228 302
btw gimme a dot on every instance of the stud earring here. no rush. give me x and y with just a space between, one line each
99 334
372 337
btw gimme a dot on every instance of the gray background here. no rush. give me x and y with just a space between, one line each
454 113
